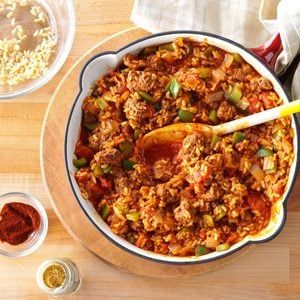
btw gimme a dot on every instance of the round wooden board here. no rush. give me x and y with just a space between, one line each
62 198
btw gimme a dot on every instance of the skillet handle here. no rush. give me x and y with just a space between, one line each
269 50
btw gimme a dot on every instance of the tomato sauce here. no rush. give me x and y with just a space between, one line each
154 153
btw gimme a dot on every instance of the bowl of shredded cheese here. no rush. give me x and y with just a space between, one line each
36 37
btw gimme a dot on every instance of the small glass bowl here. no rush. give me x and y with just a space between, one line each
36 239
61 14
72 281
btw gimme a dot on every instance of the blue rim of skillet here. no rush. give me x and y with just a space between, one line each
158 260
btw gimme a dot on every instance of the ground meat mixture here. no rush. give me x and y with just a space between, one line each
142 81
135 111
183 214
134 62
163 169
111 156
198 196
226 111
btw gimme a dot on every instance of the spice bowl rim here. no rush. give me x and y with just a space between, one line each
26 248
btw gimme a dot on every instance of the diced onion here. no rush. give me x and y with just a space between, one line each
133 216
218 75
243 103
109 126
174 248
257 172
239 75
222 247
118 213
208 221
220 212
269 164
228 60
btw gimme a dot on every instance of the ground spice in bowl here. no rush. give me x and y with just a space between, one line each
58 277
54 276
17 222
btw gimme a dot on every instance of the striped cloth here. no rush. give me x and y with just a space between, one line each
249 22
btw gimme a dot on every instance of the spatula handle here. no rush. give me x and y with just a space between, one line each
291 108
258 118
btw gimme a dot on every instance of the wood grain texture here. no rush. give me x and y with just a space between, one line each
270 271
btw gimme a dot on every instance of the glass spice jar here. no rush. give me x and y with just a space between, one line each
58 277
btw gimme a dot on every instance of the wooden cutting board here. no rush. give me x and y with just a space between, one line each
63 200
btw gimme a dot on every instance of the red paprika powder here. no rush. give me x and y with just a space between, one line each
17 222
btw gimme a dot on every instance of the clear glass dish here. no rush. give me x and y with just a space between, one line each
71 283
61 17
36 239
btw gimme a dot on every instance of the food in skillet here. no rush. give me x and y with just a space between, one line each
182 199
